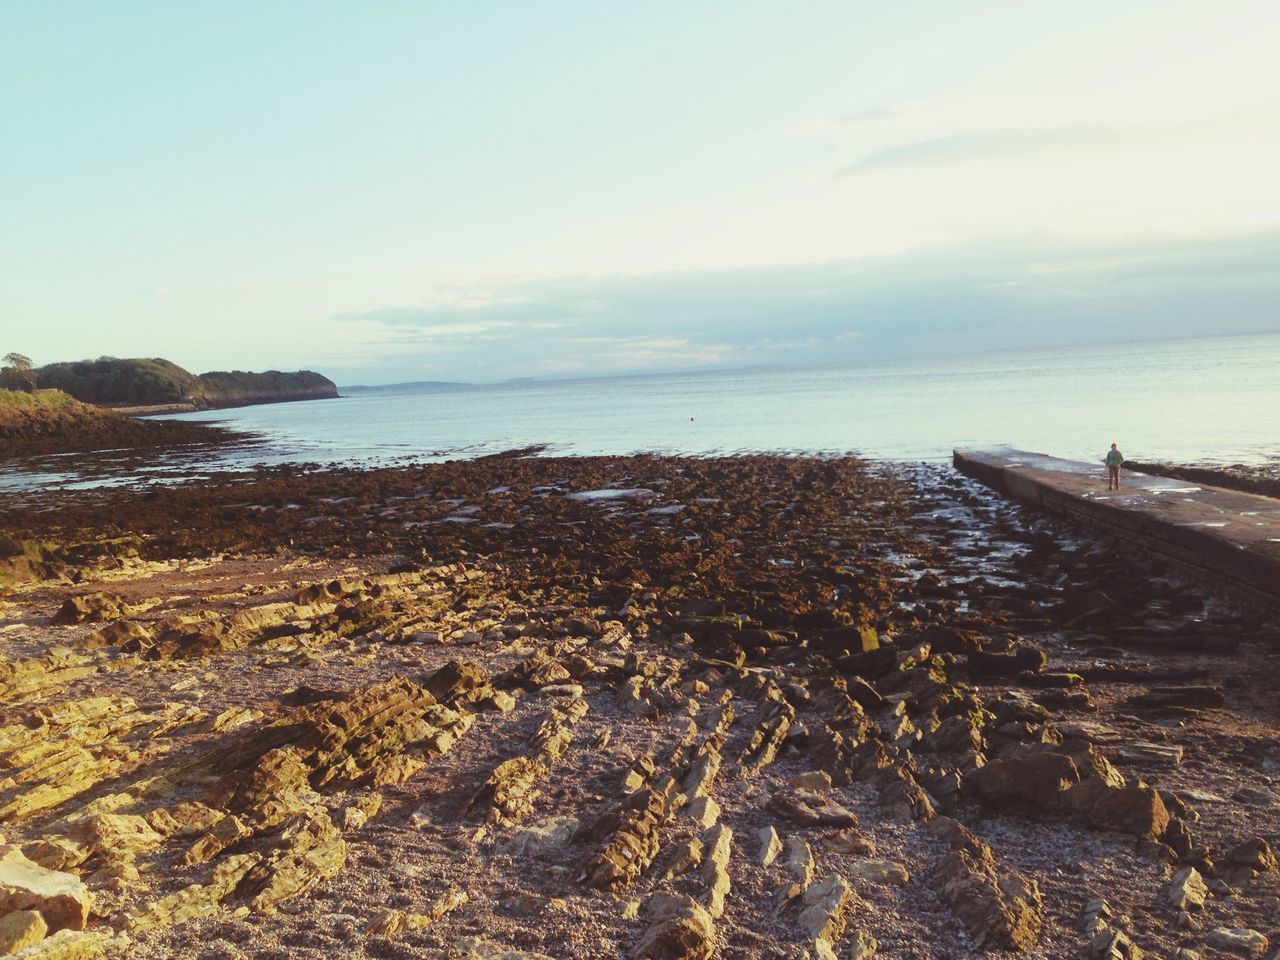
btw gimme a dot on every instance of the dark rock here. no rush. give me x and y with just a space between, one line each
1035 779
952 639
846 640
863 694
455 678
872 665
1025 659
90 608
1192 696
1131 808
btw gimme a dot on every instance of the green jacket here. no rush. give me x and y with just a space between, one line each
1114 458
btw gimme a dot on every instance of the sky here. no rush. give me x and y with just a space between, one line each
390 192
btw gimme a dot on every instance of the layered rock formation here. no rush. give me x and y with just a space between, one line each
777 708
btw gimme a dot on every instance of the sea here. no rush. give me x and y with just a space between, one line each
1209 401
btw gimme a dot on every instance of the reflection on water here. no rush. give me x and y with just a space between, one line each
1208 401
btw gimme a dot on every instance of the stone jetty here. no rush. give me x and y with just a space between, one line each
1229 535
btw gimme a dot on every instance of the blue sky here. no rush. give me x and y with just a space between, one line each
472 191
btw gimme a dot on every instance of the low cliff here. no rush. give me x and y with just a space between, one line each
143 381
49 421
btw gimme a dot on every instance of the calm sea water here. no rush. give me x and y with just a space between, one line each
1214 400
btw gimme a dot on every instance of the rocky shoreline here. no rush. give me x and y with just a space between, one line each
69 426
532 707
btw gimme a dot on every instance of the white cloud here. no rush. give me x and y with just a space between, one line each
957 299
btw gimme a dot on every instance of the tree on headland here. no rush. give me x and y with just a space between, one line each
16 373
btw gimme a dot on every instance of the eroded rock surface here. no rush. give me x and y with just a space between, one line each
740 707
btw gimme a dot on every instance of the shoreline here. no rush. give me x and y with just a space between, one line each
160 409
50 423
887 665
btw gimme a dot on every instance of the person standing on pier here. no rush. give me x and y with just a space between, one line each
1113 461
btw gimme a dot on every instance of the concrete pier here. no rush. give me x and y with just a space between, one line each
1227 536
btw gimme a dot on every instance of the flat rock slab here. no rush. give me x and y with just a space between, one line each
61 898
1234 537
1140 751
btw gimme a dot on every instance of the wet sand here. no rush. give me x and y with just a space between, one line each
551 704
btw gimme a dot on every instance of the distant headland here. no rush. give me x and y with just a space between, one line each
87 405
143 382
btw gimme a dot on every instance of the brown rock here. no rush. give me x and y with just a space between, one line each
507 795
1239 940
819 781
797 860
1132 808
704 811
196 899
855 640
810 809
999 907
1187 890
117 634
234 717
769 735
81 771
56 853
388 923
360 811
885 872
1006 664
715 867
863 946
116 835
770 846
69 945
90 607
61 898
1109 944
221 835
679 929
632 836
475 948
1245 860
547 836
849 841
1034 779
823 908
1189 696
686 856
539 670
20 929
947 639
455 678
187 819
312 849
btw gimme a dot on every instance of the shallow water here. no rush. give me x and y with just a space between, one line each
1209 401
